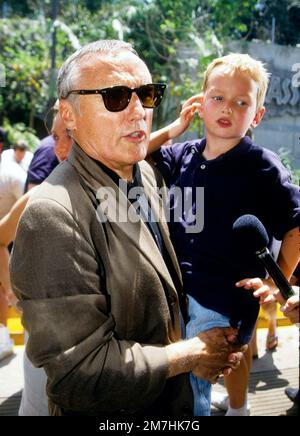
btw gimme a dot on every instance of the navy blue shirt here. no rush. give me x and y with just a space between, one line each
43 162
248 179
143 208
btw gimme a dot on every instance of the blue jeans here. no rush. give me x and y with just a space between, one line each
202 319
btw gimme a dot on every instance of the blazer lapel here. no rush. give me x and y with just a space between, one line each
116 211
157 204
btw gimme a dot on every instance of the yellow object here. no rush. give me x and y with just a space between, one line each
281 319
17 330
15 327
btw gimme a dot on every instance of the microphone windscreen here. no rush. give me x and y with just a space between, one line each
250 233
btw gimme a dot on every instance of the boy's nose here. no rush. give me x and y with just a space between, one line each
227 109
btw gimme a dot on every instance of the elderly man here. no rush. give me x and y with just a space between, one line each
101 296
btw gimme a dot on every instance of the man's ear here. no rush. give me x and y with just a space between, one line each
258 117
67 114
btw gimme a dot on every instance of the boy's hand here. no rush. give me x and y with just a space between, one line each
264 289
267 292
187 112
291 308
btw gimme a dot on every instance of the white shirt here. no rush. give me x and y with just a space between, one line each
12 183
8 156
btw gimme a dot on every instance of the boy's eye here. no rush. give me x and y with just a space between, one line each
241 103
217 98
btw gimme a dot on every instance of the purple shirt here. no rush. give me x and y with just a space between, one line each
43 162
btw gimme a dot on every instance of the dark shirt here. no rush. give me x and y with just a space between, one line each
43 162
143 208
246 180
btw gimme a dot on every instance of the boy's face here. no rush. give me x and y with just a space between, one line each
229 106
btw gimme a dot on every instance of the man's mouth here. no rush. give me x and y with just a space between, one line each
137 135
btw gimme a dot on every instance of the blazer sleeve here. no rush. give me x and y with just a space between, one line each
71 332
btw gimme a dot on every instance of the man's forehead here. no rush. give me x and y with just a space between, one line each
102 71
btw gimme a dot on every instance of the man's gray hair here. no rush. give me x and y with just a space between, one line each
69 72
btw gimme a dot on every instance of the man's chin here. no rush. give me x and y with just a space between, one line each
139 154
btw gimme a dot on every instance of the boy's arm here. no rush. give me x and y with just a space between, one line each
289 255
158 138
288 259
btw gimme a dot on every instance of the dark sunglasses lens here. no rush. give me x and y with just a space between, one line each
151 95
117 98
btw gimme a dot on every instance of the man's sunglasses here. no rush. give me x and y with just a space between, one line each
117 98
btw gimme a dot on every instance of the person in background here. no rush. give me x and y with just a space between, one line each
103 303
19 154
34 399
12 182
52 150
43 162
8 225
238 177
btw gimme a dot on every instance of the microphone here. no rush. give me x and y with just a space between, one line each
250 231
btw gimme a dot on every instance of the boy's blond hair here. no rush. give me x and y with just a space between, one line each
246 64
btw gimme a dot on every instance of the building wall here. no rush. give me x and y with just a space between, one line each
280 127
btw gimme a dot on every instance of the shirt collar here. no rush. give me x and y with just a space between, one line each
136 172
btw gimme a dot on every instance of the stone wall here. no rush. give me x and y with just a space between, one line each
280 127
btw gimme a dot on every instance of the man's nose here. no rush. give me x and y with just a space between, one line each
135 108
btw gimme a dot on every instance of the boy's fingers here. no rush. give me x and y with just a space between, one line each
264 290
194 98
255 283
191 108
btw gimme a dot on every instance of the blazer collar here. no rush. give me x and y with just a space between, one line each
95 179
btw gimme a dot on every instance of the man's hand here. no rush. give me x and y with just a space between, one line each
208 355
220 355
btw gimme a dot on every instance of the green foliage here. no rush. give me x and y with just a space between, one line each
285 156
20 131
166 33
23 53
233 18
287 21
25 46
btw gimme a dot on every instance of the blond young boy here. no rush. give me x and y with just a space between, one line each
238 177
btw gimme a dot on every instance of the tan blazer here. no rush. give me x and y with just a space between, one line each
93 299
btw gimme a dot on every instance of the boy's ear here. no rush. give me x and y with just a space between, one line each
258 117
67 114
